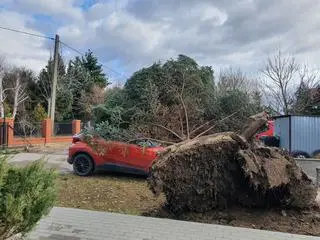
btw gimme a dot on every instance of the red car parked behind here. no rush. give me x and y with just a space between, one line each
134 157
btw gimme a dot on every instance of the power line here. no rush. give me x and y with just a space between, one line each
26 33
82 54
62 43
73 49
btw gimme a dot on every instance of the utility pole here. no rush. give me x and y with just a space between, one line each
54 78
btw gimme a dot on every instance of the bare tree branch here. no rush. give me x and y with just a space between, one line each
201 126
2 95
229 116
280 71
19 94
3 91
186 116
181 124
310 78
233 79
169 130
152 139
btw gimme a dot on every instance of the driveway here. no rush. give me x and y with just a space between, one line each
56 161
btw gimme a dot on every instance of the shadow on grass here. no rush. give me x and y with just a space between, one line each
102 174
107 174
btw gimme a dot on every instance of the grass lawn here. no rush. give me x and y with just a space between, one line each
112 193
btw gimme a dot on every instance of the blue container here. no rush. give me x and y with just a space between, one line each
299 134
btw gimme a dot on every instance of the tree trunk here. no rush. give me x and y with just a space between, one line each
19 96
16 92
1 98
15 101
253 125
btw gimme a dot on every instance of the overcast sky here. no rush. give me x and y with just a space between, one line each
129 34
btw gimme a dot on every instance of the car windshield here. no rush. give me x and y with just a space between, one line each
145 143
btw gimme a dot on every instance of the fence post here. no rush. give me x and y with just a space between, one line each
9 132
76 126
47 130
10 122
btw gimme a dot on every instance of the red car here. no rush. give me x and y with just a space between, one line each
134 157
268 131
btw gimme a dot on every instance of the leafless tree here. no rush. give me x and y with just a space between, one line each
3 90
2 94
19 93
87 101
307 94
280 72
231 79
308 77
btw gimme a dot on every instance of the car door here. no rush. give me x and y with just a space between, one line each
123 157
140 156
115 153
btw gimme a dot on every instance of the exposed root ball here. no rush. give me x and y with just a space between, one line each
223 169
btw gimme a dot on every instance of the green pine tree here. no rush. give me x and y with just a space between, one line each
90 62
44 83
302 103
27 193
39 113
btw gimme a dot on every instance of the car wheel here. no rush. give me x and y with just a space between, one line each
82 165
300 154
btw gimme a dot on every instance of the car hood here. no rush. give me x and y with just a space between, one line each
156 149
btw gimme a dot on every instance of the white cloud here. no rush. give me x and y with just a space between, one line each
135 33
21 50
118 34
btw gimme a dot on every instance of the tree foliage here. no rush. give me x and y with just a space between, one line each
39 113
90 63
174 100
45 79
76 88
173 95
178 100
26 195
306 100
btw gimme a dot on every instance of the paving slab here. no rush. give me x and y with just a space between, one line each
76 224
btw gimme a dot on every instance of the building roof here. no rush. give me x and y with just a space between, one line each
294 115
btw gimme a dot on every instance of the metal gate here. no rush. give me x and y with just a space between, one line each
4 134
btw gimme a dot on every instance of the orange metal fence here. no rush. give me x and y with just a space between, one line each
46 132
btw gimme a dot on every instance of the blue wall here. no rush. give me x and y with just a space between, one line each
305 133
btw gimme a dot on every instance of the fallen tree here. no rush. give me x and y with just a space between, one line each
226 169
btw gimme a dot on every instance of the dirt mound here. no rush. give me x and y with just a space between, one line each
295 221
229 169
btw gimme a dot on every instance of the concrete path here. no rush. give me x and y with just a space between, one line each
56 161
75 224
